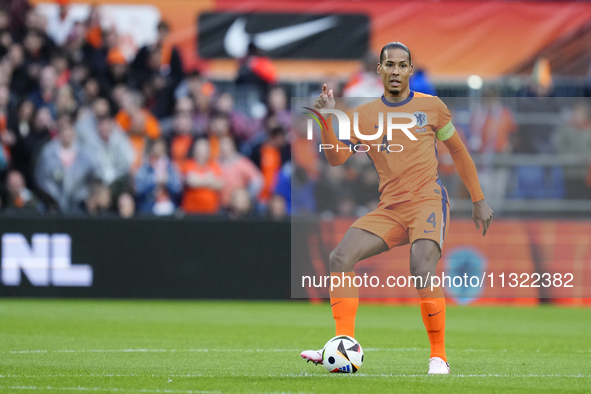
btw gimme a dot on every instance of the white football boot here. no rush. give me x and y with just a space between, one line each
438 367
312 355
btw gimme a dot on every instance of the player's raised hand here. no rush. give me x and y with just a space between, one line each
325 100
482 213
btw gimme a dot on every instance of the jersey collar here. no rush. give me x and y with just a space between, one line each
405 101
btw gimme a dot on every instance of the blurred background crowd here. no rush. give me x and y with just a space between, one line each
84 130
88 128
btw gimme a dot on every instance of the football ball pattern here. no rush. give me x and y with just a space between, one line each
342 354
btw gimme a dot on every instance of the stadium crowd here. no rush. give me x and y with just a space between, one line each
86 130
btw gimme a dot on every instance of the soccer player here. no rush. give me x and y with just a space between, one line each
413 207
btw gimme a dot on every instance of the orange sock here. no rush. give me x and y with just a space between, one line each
344 301
433 312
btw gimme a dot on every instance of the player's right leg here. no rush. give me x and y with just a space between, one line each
356 245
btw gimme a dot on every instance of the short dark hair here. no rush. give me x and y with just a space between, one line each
395 45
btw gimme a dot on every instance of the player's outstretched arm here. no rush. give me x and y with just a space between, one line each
335 156
481 212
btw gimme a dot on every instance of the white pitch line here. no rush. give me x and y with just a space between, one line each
412 349
150 351
303 374
105 389
478 375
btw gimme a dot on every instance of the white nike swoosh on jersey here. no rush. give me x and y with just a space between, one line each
237 39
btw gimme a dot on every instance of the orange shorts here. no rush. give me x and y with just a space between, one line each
405 222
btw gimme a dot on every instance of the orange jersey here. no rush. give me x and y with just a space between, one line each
412 172
201 199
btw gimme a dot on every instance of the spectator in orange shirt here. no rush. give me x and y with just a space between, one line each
94 32
238 172
183 138
203 181
138 123
269 157
201 93
256 72
161 58
305 152
219 127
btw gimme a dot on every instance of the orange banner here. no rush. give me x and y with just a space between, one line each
448 38
518 261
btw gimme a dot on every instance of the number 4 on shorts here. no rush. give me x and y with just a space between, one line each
432 219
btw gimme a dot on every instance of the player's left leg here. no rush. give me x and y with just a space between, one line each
424 255
427 232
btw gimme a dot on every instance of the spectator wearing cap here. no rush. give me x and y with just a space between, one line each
157 183
203 181
116 71
96 58
65 171
201 93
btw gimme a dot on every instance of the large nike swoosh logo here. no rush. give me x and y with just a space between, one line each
237 39
435 313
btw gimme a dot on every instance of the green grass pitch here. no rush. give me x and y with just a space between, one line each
70 346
